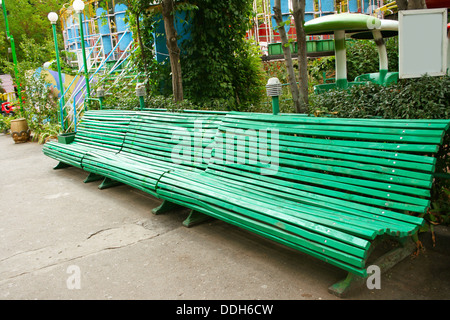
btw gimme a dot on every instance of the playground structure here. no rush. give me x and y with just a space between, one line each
103 28
358 26
108 45
269 40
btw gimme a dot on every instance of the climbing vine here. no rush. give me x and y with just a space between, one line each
220 68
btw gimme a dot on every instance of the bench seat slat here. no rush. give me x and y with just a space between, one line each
257 228
299 190
333 127
308 211
271 210
277 192
287 150
396 147
311 234
354 135
293 119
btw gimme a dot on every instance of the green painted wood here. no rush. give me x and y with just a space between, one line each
268 211
277 235
357 177
387 219
147 149
336 185
195 218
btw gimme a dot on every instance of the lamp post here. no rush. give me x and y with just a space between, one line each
53 17
140 93
13 50
78 6
273 89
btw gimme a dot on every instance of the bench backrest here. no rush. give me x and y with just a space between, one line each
104 128
179 138
359 166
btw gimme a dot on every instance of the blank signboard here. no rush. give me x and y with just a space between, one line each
422 42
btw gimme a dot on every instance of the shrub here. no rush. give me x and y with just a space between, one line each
219 65
362 58
422 98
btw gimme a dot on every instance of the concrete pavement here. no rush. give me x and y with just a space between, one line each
64 239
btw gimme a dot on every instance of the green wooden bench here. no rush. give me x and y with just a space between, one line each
154 144
332 188
98 130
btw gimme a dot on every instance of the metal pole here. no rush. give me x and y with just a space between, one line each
13 50
86 75
140 92
275 105
273 89
61 86
141 103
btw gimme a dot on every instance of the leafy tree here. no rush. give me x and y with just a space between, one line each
27 19
299 19
287 54
299 93
221 69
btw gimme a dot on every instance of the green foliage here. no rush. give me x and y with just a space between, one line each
423 98
142 23
28 20
219 65
5 123
320 66
362 57
162 102
39 99
40 108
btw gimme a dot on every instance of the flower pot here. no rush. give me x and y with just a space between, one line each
66 138
19 130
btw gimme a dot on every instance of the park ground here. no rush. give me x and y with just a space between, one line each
54 226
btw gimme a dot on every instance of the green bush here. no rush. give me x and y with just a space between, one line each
219 66
422 98
362 58
5 123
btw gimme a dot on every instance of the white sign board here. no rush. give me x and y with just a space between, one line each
422 42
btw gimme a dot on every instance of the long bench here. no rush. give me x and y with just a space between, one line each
329 187
98 130
153 145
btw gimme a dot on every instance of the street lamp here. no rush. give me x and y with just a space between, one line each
78 6
53 17
13 50
273 89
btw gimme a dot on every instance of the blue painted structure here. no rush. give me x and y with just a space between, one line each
122 26
284 11
104 30
182 23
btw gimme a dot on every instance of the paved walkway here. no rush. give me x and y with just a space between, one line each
63 239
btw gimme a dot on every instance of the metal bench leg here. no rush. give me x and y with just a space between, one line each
108 183
343 287
61 165
195 218
385 262
166 206
93 177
